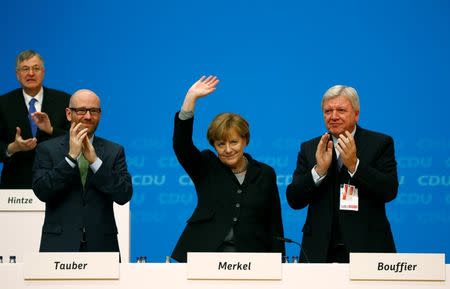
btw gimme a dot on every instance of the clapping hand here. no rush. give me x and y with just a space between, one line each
42 121
347 149
19 144
88 151
77 135
324 154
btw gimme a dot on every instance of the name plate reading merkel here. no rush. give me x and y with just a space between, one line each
56 266
20 200
391 266
234 266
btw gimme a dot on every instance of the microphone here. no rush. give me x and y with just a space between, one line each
287 240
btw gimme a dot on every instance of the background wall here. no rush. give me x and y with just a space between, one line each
275 59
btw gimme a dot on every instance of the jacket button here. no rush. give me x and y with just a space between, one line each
238 205
235 219
239 191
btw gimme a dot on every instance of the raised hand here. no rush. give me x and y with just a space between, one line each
42 121
20 145
203 87
347 149
324 154
77 134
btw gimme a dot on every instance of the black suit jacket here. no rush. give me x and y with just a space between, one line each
70 209
252 209
16 173
366 230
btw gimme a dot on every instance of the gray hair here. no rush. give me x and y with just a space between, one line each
27 54
342 90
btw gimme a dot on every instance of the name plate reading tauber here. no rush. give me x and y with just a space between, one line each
391 266
72 266
20 200
234 266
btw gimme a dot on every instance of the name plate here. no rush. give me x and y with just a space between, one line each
20 200
234 266
55 266
392 266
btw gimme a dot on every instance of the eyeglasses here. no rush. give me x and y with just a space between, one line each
26 69
84 110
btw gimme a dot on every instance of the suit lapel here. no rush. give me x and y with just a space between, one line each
99 147
99 150
46 103
359 141
21 110
253 171
65 144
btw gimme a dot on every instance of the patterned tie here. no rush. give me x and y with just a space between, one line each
32 109
83 166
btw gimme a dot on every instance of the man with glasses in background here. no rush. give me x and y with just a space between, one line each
79 176
28 115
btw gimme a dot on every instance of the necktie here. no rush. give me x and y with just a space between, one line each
32 109
338 155
83 166
339 161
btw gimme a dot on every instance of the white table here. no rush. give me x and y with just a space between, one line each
173 276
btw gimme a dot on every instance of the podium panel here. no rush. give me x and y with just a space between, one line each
154 275
72 266
21 229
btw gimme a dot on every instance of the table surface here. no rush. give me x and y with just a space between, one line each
164 275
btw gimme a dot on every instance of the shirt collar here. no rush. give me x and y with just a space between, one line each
39 96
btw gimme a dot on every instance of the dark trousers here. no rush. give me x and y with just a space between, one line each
83 247
338 254
227 247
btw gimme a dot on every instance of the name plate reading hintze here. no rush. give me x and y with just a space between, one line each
392 266
234 266
20 200
90 266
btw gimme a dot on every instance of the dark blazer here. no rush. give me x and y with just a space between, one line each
366 230
252 209
16 173
69 208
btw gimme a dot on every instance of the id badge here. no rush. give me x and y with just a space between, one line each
348 199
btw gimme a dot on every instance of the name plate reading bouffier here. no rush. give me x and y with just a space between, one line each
392 266
234 266
20 200
90 266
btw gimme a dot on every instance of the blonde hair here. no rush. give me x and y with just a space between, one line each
222 125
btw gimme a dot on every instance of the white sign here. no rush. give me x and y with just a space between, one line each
71 266
236 266
20 200
391 266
